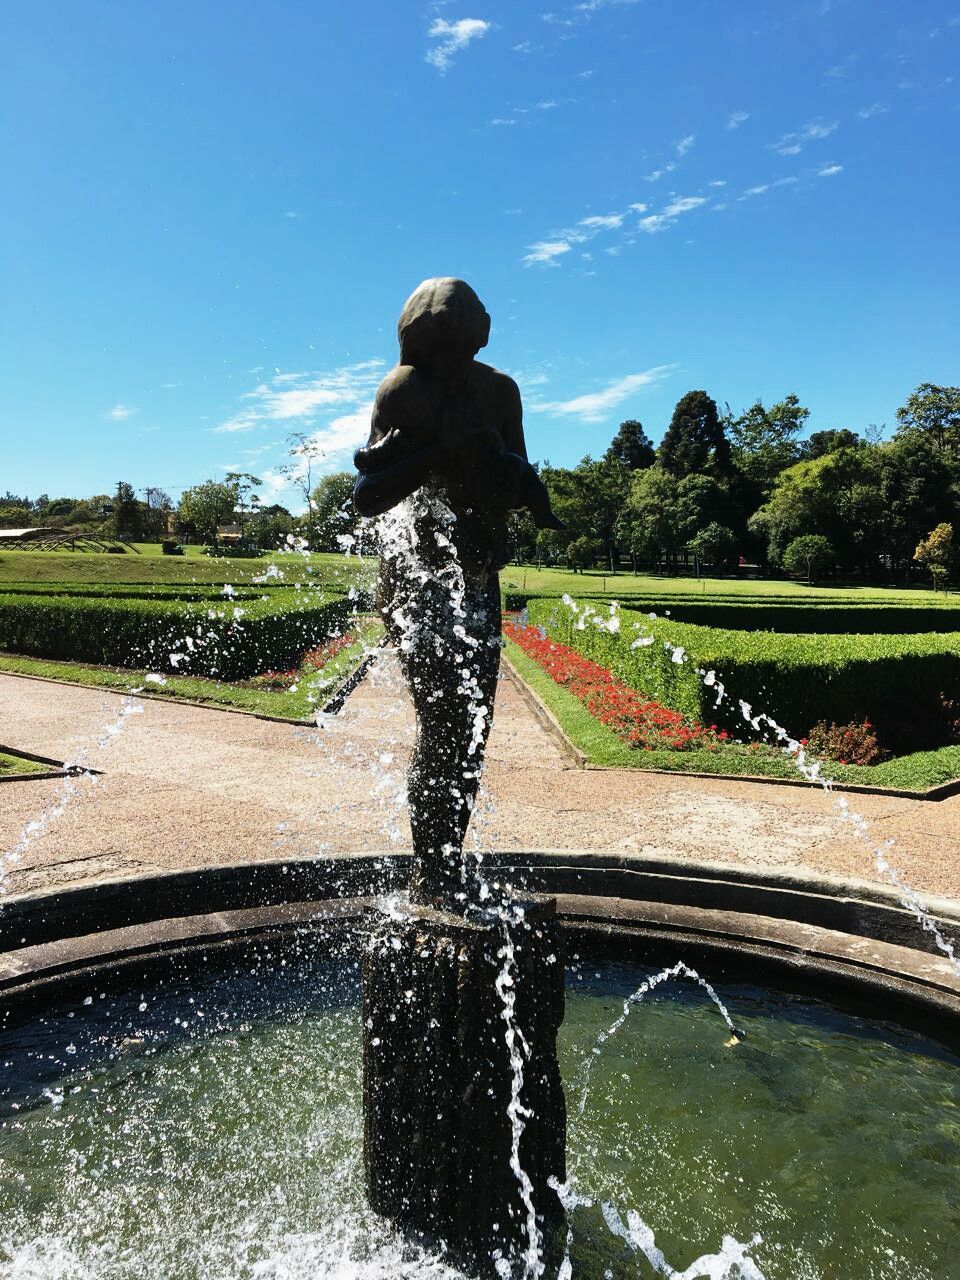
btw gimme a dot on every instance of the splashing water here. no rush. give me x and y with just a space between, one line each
679 970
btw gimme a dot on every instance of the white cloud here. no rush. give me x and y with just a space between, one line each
453 37
602 222
120 412
502 121
736 118
292 213
683 205
593 406
299 398
546 251
657 174
548 104
720 182
684 145
755 191
829 170
639 207
875 109
791 144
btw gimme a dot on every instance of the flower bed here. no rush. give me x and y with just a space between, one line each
638 721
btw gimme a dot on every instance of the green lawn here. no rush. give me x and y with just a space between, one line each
14 764
554 582
297 703
153 567
601 746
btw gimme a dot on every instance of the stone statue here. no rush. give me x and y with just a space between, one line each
447 458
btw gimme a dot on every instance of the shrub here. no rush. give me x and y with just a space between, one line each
220 638
171 547
794 678
846 743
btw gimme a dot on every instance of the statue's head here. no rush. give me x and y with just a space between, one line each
442 321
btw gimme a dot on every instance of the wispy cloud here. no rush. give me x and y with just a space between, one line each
300 398
875 109
453 37
736 118
546 251
120 412
657 174
684 145
829 170
595 405
791 144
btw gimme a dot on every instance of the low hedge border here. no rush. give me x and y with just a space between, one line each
796 679
782 615
220 638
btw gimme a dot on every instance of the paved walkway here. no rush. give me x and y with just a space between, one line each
185 786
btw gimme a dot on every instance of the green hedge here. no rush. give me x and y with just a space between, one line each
784 615
220 637
797 679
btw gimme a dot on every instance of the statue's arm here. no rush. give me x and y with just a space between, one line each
377 491
512 417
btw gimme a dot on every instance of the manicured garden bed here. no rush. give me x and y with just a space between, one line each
901 683
222 637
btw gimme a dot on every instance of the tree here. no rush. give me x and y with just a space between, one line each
243 485
917 493
715 545
935 553
581 553
695 442
127 512
657 529
272 524
204 506
811 553
158 504
631 447
819 443
765 440
333 511
304 451
933 412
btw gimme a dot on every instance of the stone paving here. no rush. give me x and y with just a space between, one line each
190 786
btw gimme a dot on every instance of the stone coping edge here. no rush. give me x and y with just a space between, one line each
942 791
879 980
857 908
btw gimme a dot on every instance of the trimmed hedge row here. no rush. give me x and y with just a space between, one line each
786 616
895 681
189 591
223 639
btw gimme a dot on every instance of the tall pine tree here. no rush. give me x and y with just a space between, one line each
695 443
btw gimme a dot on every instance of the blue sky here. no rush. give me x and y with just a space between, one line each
213 213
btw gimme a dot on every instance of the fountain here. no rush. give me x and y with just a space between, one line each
355 1067
464 1116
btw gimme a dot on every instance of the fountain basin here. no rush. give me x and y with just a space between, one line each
181 1091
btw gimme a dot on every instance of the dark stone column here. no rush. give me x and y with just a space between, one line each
437 1079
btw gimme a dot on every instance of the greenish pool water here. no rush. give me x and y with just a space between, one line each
214 1132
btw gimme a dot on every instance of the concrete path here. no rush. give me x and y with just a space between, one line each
185 786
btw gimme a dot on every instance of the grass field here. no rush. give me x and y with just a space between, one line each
593 583
195 567
917 772
152 567
12 765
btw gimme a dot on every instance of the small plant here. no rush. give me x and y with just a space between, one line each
854 743
171 547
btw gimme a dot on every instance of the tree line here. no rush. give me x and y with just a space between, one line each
721 488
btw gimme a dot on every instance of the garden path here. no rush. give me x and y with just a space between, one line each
188 786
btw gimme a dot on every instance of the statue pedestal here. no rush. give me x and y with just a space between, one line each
438 1081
